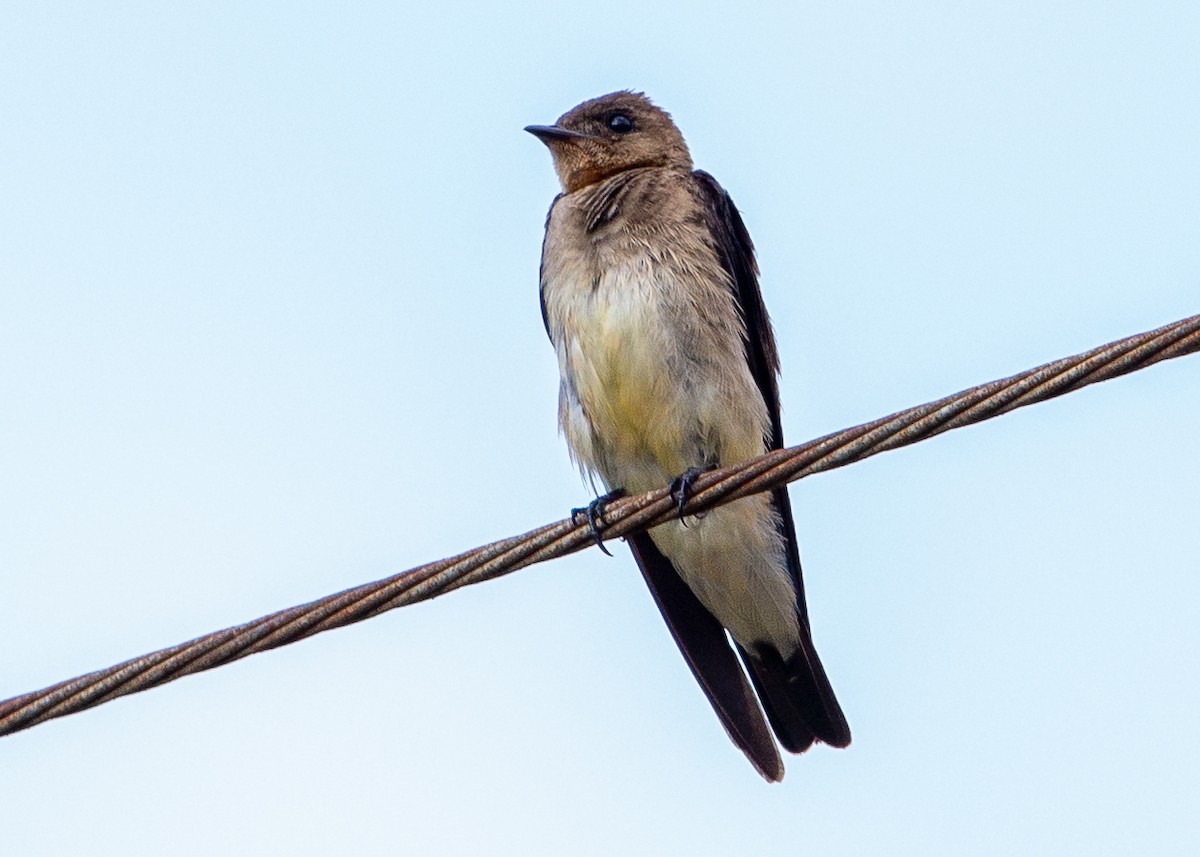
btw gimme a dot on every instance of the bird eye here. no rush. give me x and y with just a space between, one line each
620 123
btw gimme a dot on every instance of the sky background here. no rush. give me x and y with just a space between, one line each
269 329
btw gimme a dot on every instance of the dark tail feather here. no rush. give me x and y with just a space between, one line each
791 727
796 693
706 649
798 698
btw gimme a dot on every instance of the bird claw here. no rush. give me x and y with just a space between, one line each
681 489
594 511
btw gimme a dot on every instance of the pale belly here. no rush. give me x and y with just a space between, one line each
638 410
643 401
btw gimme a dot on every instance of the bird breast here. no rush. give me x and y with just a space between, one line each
649 344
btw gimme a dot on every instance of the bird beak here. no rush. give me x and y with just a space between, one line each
551 133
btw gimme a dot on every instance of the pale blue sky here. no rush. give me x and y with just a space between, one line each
269 328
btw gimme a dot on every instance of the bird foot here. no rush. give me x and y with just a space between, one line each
681 489
594 511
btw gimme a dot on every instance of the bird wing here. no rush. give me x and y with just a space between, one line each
542 269
797 695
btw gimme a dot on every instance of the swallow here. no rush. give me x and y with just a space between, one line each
668 367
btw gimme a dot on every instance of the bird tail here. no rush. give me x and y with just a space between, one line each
796 694
797 697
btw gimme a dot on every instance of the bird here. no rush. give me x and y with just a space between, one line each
668 367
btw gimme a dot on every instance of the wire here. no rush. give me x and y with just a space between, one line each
621 518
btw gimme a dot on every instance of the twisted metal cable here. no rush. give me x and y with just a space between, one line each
621 518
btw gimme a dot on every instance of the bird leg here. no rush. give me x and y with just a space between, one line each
681 488
595 515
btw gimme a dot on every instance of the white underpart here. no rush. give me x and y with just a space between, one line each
630 414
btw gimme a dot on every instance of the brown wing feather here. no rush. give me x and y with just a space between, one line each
797 695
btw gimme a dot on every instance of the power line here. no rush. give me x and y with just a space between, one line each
621 517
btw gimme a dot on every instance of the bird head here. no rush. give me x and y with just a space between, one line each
610 134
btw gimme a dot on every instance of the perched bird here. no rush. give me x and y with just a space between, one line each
668 365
